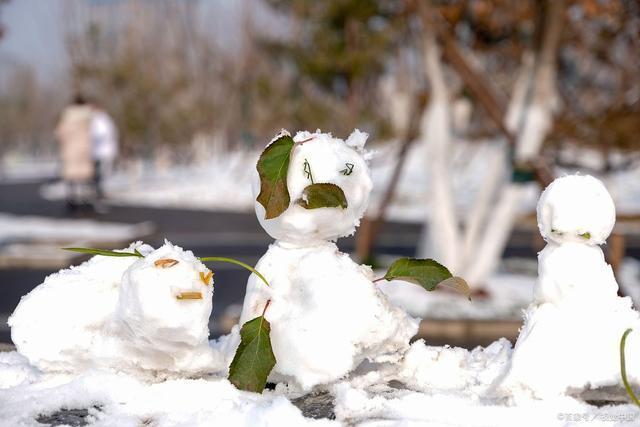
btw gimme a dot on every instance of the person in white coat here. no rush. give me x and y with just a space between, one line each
104 141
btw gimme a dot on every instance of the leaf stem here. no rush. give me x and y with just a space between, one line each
623 368
236 262
378 279
265 307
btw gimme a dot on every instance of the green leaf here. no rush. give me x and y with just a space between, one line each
586 235
273 167
623 368
426 273
316 196
254 357
105 252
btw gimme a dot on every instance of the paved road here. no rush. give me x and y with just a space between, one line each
206 233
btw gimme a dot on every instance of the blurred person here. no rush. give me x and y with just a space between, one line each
73 135
104 146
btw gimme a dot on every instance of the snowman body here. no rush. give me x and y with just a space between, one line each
326 314
570 338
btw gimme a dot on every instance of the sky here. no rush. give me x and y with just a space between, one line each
35 30
34 35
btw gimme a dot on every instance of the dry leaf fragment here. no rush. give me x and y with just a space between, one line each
206 278
189 295
165 263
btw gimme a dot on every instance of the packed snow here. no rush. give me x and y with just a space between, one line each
320 159
123 313
126 338
326 315
575 322
432 386
320 298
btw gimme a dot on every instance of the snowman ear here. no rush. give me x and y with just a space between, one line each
357 139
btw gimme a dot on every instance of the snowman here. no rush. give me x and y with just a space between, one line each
326 314
570 338
143 315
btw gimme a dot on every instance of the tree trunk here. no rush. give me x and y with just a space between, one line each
535 123
441 238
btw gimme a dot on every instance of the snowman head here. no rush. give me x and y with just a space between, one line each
318 158
576 208
166 298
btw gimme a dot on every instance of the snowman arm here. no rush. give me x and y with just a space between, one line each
236 262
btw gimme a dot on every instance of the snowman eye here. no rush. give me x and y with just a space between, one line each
348 170
307 170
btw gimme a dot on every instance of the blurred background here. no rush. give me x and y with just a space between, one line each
124 120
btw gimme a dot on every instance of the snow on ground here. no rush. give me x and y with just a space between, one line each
437 386
15 168
24 228
33 240
508 293
222 182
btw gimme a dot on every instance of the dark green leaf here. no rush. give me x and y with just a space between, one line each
273 167
254 357
316 196
105 252
426 273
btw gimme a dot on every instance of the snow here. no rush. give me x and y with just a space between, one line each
189 186
319 298
576 319
326 315
438 386
325 157
576 208
124 400
14 227
15 168
163 332
120 313
509 294
117 339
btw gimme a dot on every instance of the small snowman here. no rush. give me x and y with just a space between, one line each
570 338
147 313
325 313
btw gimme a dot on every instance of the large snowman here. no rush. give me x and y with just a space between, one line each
326 314
570 338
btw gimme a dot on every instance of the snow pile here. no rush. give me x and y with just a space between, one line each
124 313
426 367
573 327
433 386
326 315
25 228
116 399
